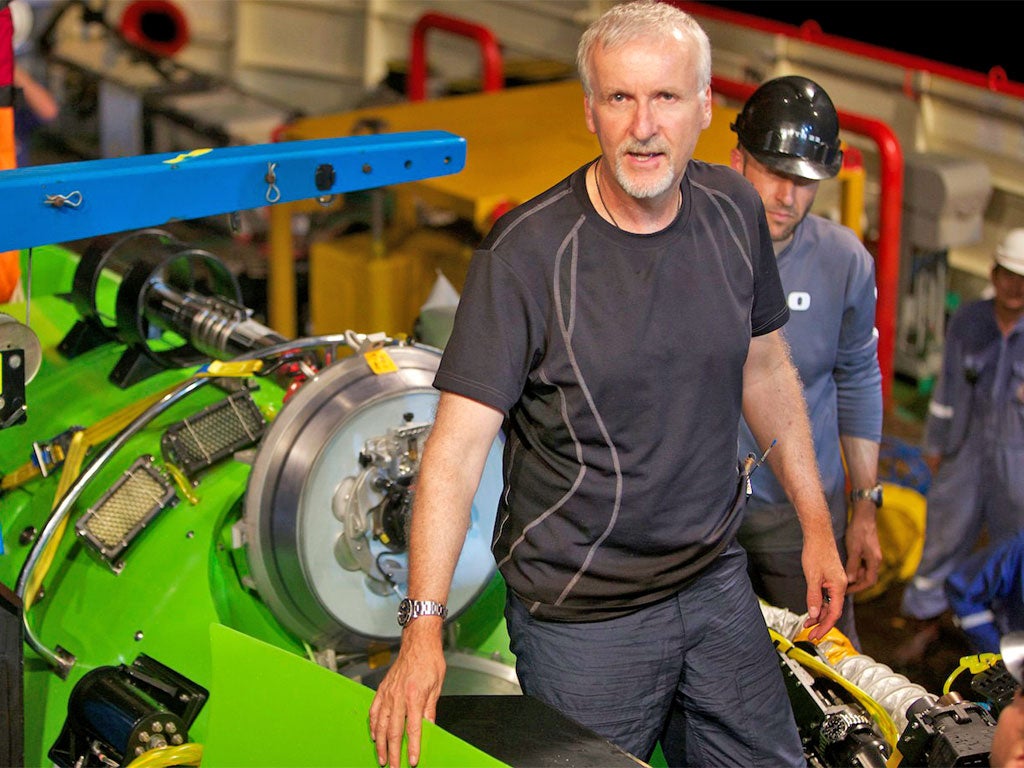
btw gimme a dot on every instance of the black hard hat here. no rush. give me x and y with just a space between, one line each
790 125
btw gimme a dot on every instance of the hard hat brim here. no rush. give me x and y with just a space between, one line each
1014 265
798 166
1009 254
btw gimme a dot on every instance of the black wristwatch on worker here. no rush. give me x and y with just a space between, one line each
874 493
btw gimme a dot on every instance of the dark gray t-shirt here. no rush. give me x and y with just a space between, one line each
618 360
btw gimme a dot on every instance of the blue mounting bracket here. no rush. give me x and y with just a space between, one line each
47 204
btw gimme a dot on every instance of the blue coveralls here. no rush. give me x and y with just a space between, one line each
976 423
986 592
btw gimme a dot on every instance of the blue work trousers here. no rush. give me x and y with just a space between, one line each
708 645
973 491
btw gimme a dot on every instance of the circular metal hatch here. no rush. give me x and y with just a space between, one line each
328 500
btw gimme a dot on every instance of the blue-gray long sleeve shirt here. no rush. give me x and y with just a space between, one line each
829 279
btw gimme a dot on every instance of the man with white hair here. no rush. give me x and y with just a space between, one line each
615 327
974 438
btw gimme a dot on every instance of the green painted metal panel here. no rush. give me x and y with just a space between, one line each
274 709
183 574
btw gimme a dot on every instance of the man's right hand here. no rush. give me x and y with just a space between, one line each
453 461
408 694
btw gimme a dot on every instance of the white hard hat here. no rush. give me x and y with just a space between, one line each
1010 253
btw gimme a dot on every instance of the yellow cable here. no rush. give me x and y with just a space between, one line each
838 647
974 664
231 368
72 464
109 426
29 470
877 712
184 754
182 482
80 444
102 430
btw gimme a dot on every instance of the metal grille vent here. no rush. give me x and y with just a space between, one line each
214 433
123 511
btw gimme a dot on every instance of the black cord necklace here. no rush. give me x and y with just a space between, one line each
597 183
600 196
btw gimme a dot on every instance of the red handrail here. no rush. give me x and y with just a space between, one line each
890 217
810 31
490 52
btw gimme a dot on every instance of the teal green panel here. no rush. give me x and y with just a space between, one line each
272 709
51 268
482 626
180 576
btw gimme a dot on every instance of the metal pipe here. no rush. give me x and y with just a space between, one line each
493 76
61 660
810 31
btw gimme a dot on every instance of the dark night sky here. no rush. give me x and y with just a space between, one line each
976 35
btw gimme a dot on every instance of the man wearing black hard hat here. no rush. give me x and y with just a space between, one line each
788 141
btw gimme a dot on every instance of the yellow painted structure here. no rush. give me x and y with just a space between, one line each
519 142
357 284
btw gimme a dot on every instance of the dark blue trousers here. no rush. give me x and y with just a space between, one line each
708 645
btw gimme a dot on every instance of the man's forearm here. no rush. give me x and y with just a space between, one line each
453 462
774 408
861 457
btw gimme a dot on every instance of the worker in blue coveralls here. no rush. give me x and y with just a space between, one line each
974 436
788 141
986 593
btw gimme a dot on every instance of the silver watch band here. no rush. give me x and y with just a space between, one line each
873 494
410 609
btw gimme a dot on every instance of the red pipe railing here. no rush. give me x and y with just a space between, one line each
890 217
994 80
493 75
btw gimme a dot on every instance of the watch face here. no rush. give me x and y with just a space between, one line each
404 612
874 495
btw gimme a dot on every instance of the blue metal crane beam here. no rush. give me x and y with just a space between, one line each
47 204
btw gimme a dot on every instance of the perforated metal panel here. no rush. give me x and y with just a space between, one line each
214 433
121 513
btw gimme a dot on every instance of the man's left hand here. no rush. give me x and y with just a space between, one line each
863 551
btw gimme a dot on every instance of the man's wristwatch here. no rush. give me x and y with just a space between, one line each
412 609
874 493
